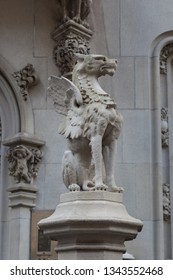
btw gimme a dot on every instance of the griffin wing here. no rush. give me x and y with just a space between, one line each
62 90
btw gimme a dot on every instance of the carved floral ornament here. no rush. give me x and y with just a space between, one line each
26 78
164 127
72 33
65 50
166 202
164 54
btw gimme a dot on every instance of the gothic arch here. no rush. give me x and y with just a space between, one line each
13 106
16 116
161 88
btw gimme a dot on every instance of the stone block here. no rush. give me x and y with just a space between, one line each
54 186
17 42
125 176
136 136
123 83
98 43
142 247
112 27
144 192
38 93
45 21
141 22
46 125
142 81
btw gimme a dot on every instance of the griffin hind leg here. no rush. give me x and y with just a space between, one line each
69 171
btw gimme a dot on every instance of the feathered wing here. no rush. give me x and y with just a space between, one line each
61 90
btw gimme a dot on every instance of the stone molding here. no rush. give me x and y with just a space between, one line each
166 51
22 195
26 78
166 202
164 127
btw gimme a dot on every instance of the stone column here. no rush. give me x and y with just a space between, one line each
91 225
23 156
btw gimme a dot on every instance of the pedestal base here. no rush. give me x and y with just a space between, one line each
91 225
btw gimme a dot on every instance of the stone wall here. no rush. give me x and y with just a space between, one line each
134 32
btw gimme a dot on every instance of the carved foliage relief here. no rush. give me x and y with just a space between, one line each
23 163
72 33
26 78
165 53
164 127
166 202
65 50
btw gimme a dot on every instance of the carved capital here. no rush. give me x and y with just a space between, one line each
24 156
164 127
164 54
23 163
65 50
166 202
26 78
72 34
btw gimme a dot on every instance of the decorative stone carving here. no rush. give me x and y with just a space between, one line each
166 202
92 125
165 53
72 33
26 78
164 127
65 50
23 163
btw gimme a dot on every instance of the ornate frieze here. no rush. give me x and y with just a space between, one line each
23 163
166 202
164 127
164 54
26 78
72 33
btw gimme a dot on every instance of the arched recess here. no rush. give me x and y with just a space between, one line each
16 116
161 87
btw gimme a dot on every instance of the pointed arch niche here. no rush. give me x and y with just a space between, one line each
17 128
162 142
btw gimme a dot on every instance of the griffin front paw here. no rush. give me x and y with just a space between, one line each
74 188
100 187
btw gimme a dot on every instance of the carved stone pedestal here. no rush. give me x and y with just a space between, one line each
91 225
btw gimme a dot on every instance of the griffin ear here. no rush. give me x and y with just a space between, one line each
79 57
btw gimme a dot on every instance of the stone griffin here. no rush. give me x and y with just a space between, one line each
91 125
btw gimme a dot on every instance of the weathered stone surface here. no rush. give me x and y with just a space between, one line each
91 225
